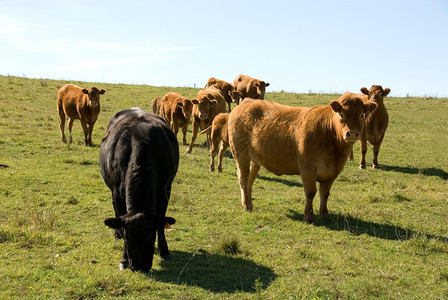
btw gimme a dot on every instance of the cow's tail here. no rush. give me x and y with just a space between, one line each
206 130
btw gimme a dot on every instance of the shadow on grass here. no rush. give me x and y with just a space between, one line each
341 222
279 180
425 171
216 273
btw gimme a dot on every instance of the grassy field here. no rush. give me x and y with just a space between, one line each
386 238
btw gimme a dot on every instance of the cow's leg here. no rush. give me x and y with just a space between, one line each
362 164
70 126
124 262
214 146
62 125
243 166
376 150
161 208
324 193
89 136
184 135
350 157
309 186
254 168
222 151
162 245
85 129
194 136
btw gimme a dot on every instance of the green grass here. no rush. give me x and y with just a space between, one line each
386 237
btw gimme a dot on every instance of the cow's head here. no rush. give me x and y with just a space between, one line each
235 96
139 234
203 106
186 106
261 89
376 93
94 95
351 111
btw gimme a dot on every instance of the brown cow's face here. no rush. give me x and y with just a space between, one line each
203 106
187 107
94 96
352 111
235 96
376 93
261 89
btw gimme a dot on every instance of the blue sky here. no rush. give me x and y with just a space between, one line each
296 46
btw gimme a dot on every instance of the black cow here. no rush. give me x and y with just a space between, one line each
139 157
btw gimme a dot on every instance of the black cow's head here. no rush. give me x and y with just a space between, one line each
139 234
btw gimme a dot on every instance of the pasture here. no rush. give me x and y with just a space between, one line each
386 237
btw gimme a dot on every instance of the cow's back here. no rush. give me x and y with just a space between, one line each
139 157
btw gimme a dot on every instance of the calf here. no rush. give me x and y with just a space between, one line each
218 133
313 142
139 157
78 103
376 124
249 87
176 110
208 103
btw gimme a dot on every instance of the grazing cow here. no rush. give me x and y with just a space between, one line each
176 110
218 133
139 157
249 87
228 90
313 142
78 103
376 124
156 103
208 103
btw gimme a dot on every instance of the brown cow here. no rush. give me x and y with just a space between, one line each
176 110
208 103
78 103
249 87
313 142
228 90
218 133
156 103
376 124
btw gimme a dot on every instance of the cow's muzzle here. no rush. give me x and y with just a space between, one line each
352 136
202 116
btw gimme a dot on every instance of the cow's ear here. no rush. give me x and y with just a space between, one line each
336 106
163 222
85 91
370 108
180 104
195 101
102 92
365 91
266 83
386 92
115 223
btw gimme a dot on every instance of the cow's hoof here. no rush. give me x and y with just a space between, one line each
165 257
123 266
362 167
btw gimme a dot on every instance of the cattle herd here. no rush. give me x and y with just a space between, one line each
139 155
